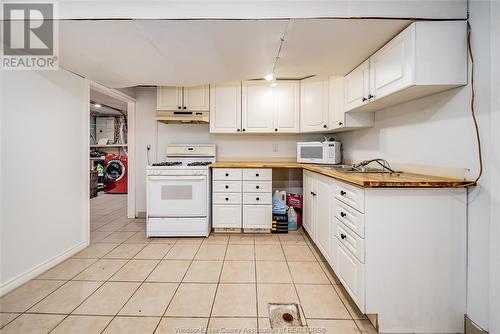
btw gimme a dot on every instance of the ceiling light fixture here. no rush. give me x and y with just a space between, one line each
269 77
97 105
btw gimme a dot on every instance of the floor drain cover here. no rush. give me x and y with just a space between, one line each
284 315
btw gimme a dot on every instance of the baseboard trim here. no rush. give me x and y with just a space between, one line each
472 328
37 270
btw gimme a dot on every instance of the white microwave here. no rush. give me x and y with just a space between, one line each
316 152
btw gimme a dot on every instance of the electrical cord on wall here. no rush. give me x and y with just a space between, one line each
472 110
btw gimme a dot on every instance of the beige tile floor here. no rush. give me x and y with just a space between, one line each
126 283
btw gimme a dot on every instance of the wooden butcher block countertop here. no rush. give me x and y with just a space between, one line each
366 180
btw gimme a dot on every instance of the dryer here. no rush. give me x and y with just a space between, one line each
115 174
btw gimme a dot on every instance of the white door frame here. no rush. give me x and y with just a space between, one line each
130 140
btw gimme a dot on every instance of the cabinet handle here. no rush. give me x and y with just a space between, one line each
342 193
184 107
227 186
179 107
227 174
257 174
343 236
370 96
257 187
243 130
227 199
312 193
257 198
238 130
276 130
364 99
325 126
342 214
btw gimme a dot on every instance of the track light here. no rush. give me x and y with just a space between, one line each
269 77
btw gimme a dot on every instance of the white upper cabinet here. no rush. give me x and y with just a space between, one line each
197 98
169 98
339 119
287 106
314 104
425 58
270 109
357 86
194 98
257 106
225 106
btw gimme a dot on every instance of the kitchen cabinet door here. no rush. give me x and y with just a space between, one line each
314 104
257 106
225 108
309 204
196 98
226 216
287 106
336 102
357 87
392 67
257 216
169 98
352 275
323 215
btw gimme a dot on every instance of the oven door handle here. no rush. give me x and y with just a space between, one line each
176 178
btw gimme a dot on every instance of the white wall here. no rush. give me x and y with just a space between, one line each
44 171
438 131
229 147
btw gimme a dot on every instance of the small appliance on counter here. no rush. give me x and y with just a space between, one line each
326 151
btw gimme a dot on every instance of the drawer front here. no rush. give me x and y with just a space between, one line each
353 242
226 187
220 174
350 195
257 216
351 273
254 174
257 198
226 216
350 217
257 186
226 198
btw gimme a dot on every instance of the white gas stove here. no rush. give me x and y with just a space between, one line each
178 192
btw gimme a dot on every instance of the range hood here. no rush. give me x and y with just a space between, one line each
183 117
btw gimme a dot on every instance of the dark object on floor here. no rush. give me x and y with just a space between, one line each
282 315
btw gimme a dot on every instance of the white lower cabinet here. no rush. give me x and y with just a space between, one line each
395 250
242 198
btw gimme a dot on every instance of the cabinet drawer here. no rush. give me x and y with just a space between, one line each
257 186
226 187
351 273
257 198
353 242
258 174
350 195
226 216
226 198
220 174
350 217
257 216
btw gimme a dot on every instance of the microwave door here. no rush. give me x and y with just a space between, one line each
311 153
177 196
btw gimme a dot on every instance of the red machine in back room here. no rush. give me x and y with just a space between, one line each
115 174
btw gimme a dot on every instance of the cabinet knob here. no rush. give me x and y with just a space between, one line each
227 199
257 198
257 174
342 214
313 193
257 187
342 193
340 123
364 99
325 126
227 174
243 130
238 130
343 236
184 107
179 107
276 130
227 187
370 96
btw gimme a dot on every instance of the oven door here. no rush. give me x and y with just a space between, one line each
311 154
177 196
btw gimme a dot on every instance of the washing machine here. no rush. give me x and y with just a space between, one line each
115 174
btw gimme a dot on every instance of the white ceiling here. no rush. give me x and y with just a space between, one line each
107 101
123 53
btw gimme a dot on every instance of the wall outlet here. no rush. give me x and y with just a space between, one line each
275 148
